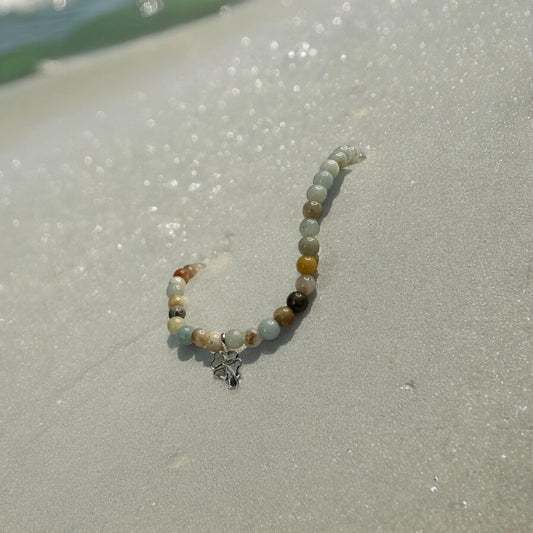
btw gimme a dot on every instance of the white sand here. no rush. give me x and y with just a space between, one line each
401 402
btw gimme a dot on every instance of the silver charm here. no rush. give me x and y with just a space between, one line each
226 366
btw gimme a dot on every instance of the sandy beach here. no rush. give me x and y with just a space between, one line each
400 401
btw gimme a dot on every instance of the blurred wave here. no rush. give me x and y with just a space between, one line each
35 30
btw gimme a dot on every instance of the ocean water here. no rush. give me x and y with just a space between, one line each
35 30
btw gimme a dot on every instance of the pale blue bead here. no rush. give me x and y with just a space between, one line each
349 151
184 335
268 329
178 280
331 166
309 227
340 157
174 289
317 193
323 178
353 154
234 339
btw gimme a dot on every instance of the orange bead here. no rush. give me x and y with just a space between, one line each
306 265
182 273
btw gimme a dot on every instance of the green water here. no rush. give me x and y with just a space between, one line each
28 38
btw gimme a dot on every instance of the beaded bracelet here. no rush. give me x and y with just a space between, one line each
226 347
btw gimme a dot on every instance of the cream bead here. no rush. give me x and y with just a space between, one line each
178 300
175 323
252 338
214 342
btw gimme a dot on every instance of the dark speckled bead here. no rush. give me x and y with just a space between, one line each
297 301
176 311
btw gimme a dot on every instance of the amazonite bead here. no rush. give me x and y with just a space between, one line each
199 337
317 193
183 273
309 227
174 324
178 280
307 265
323 178
175 288
312 210
308 246
284 316
340 158
331 166
214 342
184 335
177 299
359 156
305 284
268 329
297 301
355 155
177 310
252 338
350 152
234 339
